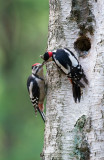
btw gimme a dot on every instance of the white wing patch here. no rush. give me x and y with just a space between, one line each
68 69
54 50
30 89
72 58
64 69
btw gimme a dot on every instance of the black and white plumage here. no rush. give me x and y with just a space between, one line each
69 64
36 88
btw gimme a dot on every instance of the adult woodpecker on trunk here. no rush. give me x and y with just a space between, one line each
69 64
36 88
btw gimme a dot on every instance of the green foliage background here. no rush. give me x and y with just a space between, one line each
23 37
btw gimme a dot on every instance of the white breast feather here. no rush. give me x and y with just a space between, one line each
54 50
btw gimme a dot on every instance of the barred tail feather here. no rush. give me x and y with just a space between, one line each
42 114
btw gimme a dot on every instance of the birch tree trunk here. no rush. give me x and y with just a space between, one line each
75 131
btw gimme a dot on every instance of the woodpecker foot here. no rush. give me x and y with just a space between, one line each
70 80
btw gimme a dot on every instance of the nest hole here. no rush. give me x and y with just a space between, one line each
82 45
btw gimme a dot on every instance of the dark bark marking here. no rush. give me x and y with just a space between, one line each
82 14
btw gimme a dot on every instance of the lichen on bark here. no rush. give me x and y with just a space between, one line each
81 147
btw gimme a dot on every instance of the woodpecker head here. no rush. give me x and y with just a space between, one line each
47 56
37 69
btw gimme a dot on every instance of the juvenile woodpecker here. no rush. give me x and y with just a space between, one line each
36 88
69 64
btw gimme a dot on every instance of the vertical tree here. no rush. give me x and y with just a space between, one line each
76 130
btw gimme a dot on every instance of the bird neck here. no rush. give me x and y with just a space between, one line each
37 76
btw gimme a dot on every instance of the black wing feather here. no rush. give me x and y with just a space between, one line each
62 57
35 90
76 92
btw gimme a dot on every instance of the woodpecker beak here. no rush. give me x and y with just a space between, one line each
44 62
42 65
41 56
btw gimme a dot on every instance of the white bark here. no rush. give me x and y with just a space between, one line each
75 131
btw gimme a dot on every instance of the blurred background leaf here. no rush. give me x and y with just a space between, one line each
23 37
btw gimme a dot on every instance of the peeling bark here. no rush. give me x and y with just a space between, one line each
75 131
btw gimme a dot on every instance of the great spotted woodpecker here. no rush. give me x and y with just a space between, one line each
36 88
69 64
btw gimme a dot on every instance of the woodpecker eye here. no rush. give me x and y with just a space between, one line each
34 67
46 56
